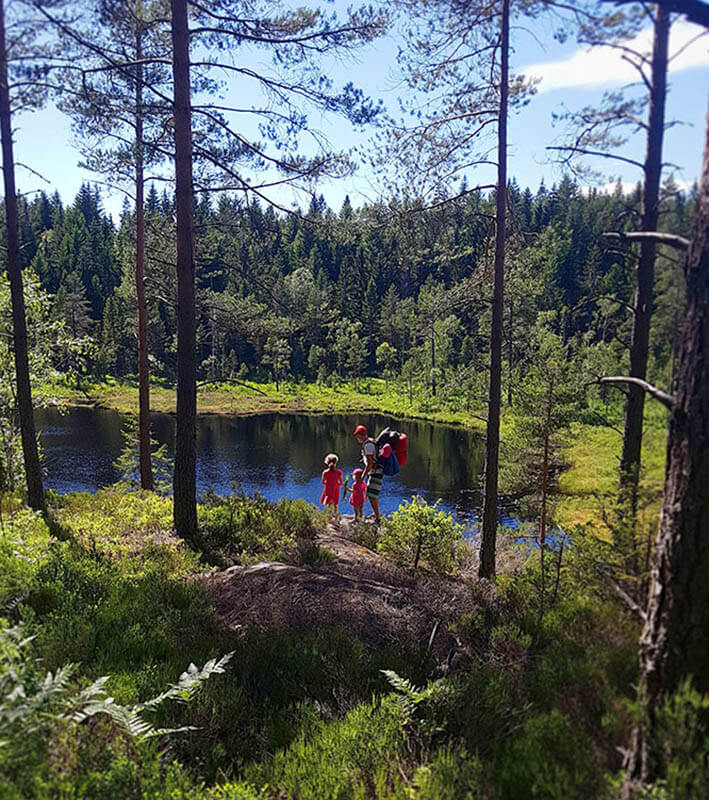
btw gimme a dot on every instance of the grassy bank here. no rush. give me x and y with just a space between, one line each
591 456
370 395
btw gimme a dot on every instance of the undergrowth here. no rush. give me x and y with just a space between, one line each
528 704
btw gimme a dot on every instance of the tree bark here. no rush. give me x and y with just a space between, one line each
144 457
543 514
675 638
33 472
645 269
185 477
492 445
433 359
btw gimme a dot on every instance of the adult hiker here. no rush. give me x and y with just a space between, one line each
372 469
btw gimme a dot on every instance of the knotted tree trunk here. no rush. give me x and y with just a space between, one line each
675 639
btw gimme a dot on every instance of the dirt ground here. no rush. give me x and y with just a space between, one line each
380 601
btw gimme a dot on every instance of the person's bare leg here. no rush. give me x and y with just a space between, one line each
374 501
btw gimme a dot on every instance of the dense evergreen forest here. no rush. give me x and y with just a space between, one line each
327 295
160 643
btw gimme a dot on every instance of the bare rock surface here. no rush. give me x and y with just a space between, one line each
358 589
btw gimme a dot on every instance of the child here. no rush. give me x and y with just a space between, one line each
332 480
358 492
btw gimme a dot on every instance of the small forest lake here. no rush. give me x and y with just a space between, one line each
277 455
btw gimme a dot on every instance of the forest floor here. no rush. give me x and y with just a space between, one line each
378 600
591 451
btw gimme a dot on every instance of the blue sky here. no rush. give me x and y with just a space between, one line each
570 76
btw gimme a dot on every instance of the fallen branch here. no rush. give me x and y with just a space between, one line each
622 594
670 239
667 400
232 380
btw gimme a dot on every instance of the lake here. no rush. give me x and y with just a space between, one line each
278 455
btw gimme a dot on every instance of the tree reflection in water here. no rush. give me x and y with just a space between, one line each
276 454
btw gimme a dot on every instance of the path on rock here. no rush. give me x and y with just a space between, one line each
359 589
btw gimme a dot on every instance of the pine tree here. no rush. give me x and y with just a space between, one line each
26 34
121 102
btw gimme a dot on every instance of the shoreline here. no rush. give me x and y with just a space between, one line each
587 483
306 399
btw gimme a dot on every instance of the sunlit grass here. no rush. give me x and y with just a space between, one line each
591 477
366 395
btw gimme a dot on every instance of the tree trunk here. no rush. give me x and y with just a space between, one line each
510 354
185 477
645 269
492 446
675 638
33 472
433 360
543 510
146 466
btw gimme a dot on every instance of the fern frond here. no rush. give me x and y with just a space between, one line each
188 683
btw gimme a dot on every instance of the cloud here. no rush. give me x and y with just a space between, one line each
603 67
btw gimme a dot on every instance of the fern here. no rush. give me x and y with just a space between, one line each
418 704
27 700
94 700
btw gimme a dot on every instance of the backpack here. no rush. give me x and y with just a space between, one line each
399 443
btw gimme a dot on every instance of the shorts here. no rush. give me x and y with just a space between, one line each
375 482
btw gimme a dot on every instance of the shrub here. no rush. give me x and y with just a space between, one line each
681 740
341 759
419 534
550 758
48 722
24 544
245 529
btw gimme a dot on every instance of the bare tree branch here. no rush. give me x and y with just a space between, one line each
667 400
670 239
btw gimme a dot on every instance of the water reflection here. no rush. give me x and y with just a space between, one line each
279 455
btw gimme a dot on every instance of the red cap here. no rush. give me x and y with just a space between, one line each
358 472
360 429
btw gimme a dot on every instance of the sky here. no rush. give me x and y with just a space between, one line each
570 77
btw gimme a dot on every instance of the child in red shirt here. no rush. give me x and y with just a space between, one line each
332 480
358 493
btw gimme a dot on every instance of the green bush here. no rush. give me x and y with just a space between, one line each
134 529
451 775
550 758
682 744
245 529
52 729
342 759
418 534
24 546
86 608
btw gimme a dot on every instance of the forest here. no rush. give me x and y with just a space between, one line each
531 620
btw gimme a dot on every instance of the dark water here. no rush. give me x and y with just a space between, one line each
279 455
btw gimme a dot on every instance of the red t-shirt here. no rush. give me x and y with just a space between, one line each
359 493
332 478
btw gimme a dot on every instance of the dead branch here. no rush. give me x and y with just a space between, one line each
670 239
622 594
667 400
232 380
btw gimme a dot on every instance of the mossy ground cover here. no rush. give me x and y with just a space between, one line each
532 704
589 480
